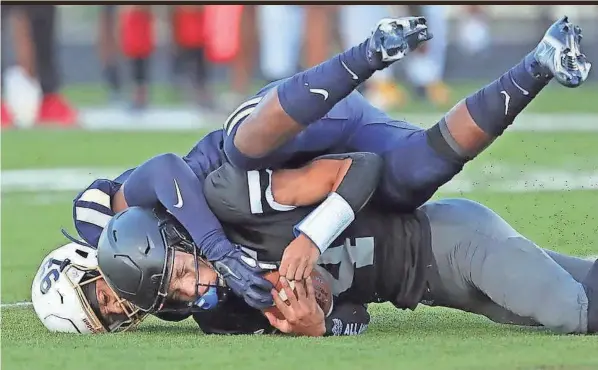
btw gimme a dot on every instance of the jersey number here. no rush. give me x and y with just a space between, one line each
348 257
51 275
255 193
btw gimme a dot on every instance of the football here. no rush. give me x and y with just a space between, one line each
322 289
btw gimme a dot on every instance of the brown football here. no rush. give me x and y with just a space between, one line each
322 289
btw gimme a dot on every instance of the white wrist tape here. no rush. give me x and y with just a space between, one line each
325 223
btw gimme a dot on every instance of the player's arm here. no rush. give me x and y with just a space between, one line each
312 183
303 316
345 183
168 181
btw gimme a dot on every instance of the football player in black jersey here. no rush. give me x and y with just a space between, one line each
453 253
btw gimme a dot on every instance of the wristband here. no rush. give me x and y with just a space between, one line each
325 223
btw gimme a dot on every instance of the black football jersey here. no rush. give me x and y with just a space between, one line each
381 257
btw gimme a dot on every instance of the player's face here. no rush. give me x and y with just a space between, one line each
184 278
116 314
110 307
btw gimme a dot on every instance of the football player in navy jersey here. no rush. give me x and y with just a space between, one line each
315 112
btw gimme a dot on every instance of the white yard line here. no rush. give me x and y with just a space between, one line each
492 177
157 119
16 305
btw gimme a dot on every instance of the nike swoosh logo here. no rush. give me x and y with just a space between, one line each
507 100
524 91
224 270
178 195
353 75
322 92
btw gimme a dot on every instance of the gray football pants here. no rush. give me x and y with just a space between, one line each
486 267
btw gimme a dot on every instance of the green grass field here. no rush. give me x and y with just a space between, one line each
542 183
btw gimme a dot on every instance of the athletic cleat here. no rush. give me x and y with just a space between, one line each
393 38
559 54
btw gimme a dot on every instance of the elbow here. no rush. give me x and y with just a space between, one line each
372 161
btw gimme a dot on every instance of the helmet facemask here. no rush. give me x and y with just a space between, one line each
175 240
86 293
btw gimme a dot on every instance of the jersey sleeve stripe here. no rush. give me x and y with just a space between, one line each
240 113
92 216
238 118
255 193
96 196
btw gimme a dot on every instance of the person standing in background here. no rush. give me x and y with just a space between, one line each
243 65
33 30
425 68
108 50
355 25
137 41
293 35
474 31
188 30
279 29
317 33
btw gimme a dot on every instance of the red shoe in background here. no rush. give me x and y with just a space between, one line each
56 110
6 117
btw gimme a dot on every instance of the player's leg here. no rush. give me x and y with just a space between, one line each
307 96
419 164
575 266
487 260
483 116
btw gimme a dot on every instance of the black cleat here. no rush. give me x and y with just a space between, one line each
590 284
559 54
393 38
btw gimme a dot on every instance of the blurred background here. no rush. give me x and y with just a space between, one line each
175 66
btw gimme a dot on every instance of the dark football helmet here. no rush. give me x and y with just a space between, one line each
136 256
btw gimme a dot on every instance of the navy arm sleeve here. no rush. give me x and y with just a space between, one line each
167 180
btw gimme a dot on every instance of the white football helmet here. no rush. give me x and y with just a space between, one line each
64 296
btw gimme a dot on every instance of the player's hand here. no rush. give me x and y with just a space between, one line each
243 275
303 315
299 258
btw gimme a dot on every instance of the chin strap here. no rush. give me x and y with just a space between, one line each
71 238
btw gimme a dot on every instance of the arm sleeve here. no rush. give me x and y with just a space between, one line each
347 319
168 180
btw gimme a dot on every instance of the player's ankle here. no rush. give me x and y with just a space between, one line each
535 68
